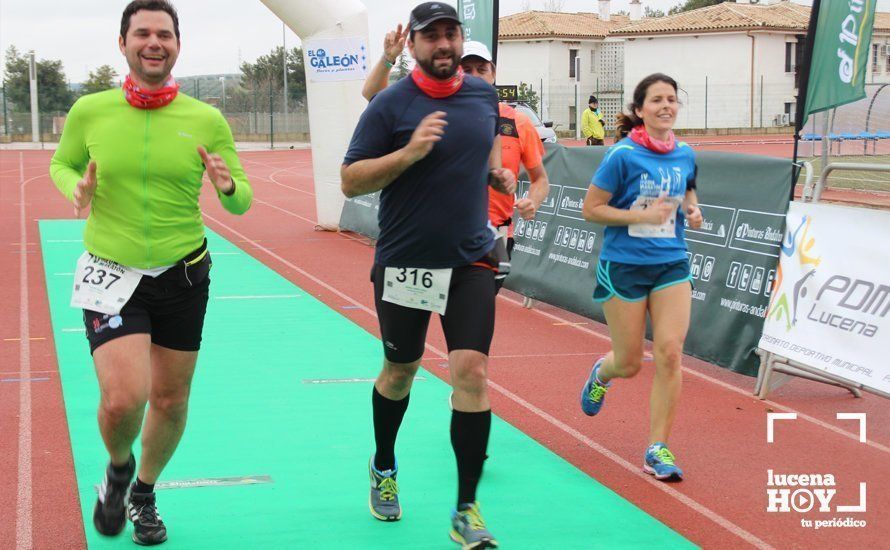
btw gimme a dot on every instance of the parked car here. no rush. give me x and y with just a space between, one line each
545 129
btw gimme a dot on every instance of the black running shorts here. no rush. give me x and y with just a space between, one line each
169 307
468 322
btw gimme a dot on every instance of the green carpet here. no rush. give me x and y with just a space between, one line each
253 413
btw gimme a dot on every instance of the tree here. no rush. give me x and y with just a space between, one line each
554 5
100 80
52 89
527 94
690 5
267 71
649 12
401 67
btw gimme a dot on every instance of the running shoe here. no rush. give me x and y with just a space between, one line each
148 528
384 499
594 393
468 528
110 514
660 462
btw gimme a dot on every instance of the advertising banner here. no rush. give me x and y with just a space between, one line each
829 309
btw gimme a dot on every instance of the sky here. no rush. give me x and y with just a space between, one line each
216 34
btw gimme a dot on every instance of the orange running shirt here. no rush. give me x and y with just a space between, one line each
519 143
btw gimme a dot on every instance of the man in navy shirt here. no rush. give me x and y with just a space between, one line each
428 144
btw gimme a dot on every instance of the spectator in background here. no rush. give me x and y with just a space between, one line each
592 125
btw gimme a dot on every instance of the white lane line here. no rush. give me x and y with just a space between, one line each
695 505
23 517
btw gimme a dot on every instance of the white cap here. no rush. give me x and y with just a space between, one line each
477 49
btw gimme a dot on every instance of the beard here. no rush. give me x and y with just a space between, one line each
441 72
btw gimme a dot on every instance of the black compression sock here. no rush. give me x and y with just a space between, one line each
469 438
388 416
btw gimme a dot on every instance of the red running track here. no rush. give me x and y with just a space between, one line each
539 360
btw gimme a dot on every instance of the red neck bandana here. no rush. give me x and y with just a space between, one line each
641 136
437 89
150 99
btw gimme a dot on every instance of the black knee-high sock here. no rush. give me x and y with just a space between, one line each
388 416
469 438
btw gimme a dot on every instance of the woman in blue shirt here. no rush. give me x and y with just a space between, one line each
642 192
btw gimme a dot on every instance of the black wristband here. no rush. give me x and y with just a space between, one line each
232 191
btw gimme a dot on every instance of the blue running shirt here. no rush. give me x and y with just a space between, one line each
435 214
632 174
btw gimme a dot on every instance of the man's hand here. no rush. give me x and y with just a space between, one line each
394 43
527 208
693 216
658 212
502 180
428 132
85 189
217 171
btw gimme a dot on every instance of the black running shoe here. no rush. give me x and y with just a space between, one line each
110 514
148 529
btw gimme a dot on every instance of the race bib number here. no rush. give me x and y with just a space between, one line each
666 230
102 285
417 288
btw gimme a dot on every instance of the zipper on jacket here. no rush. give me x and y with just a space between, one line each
145 209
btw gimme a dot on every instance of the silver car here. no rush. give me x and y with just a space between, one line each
545 129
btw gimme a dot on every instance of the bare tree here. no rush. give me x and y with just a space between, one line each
554 5
526 5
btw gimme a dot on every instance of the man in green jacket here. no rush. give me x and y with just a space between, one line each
135 158
592 123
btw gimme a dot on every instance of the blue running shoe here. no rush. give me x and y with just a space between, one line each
660 463
384 498
594 393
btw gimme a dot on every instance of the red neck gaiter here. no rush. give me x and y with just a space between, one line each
437 89
641 136
150 99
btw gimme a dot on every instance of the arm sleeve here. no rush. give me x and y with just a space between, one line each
372 137
224 146
693 175
71 158
610 173
531 148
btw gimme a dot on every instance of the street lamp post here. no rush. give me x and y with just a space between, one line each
222 79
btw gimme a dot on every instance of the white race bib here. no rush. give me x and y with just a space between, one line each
417 288
102 285
666 230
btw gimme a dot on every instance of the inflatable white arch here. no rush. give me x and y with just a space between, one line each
336 33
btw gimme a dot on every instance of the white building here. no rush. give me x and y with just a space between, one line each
541 48
735 62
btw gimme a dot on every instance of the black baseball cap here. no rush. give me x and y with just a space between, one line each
429 12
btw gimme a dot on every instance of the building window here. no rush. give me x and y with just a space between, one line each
798 58
593 61
874 58
789 60
887 67
790 109
573 115
572 55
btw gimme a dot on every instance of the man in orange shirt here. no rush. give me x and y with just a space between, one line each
520 143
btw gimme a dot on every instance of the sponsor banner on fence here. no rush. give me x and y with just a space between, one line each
336 59
829 308
732 257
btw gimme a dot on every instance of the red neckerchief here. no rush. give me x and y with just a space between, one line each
435 88
641 136
150 99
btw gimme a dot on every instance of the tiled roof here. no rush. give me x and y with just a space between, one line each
729 16
543 25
